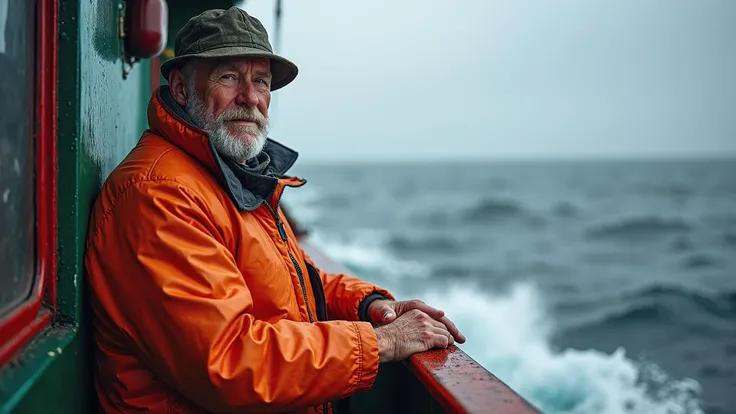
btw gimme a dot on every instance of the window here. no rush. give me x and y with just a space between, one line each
17 218
27 185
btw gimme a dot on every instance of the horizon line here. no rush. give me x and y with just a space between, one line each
525 158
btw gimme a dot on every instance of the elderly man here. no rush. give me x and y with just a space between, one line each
203 300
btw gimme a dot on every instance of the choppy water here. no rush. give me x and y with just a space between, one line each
588 287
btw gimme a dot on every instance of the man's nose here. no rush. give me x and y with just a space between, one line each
247 94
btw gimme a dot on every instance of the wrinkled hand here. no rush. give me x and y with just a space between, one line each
386 311
412 332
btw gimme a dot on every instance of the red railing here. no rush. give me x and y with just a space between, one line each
456 381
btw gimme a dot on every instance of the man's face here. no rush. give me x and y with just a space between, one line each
229 98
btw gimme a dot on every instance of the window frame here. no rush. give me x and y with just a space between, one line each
36 312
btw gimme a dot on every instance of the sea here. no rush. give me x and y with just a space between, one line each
589 287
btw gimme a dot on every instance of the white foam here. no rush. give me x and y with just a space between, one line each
365 249
302 204
509 334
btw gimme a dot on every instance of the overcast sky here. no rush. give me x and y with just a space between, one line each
428 79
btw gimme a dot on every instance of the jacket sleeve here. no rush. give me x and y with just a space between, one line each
345 294
174 289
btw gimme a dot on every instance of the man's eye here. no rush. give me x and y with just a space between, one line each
228 76
262 81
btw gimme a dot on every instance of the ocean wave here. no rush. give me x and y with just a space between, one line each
729 239
721 220
366 250
675 190
681 244
651 313
565 209
721 304
510 335
653 305
335 200
451 271
699 261
303 205
638 227
495 210
715 371
498 183
485 211
730 349
426 244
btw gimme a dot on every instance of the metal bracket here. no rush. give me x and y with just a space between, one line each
127 61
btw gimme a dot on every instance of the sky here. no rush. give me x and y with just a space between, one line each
506 79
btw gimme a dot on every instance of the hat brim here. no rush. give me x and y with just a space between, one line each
283 71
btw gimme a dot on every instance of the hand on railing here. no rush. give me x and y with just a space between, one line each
386 311
412 332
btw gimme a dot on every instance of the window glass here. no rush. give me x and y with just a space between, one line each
17 183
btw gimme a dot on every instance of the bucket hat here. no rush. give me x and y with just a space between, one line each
228 33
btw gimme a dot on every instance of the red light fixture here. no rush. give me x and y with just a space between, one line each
143 26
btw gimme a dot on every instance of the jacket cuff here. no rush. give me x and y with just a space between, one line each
363 307
368 369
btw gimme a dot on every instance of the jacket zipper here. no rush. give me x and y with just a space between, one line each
284 238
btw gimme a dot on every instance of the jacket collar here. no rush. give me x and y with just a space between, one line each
247 187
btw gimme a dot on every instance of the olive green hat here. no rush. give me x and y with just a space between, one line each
228 33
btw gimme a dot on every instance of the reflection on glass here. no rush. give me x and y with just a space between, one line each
17 182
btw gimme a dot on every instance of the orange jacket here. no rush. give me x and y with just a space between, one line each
202 298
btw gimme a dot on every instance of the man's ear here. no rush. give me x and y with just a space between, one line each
178 87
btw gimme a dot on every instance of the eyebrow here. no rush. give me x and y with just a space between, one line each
225 66
230 66
262 73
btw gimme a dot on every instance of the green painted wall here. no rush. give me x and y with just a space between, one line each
101 117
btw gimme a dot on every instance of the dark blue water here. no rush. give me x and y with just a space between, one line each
601 287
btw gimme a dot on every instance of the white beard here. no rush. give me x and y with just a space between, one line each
228 146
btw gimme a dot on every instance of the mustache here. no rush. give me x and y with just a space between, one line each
250 114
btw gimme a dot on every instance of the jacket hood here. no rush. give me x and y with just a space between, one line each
247 188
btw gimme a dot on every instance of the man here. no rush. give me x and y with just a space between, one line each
203 300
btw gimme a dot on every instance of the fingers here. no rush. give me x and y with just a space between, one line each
419 305
445 324
437 324
382 311
449 327
413 332
444 337
440 341
436 314
438 328
460 338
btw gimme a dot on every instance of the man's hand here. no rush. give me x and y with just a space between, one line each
412 332
386 311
